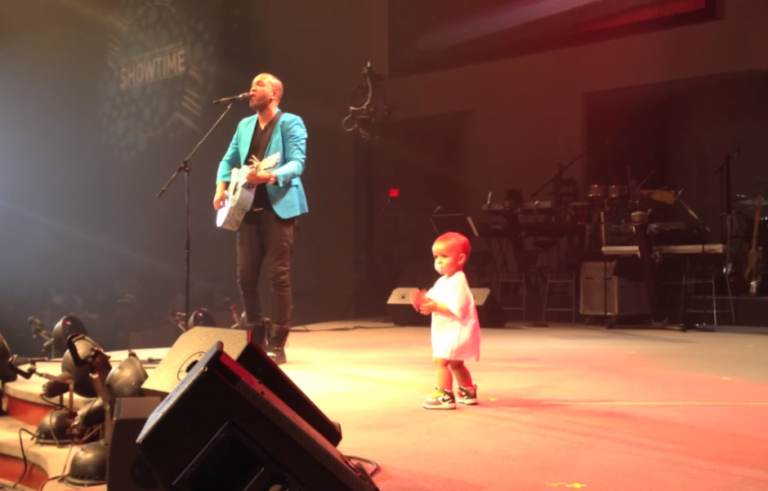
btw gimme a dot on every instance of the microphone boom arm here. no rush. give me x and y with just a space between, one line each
559 173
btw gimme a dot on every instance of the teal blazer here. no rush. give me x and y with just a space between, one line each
290 139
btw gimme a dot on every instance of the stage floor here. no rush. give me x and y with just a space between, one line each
568 406
560 407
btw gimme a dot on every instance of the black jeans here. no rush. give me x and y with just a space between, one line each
264 235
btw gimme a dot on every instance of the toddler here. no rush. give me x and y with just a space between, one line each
455 328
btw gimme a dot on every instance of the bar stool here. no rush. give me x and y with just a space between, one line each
560 285
689 292
512 293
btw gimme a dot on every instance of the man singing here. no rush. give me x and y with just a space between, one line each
268 229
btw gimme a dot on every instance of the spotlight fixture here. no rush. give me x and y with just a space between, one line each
201 317
125 379
54 428
67 326
79 372
89 416
89 464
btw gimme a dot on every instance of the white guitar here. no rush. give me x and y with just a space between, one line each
241 193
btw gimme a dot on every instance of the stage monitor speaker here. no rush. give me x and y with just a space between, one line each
127 468
402 312
223 429
192 345
489 312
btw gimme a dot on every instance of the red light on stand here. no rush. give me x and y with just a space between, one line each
394 192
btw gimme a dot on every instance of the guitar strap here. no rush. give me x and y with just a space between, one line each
264 136
272 126
261 199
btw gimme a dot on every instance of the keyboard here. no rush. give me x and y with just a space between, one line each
668 249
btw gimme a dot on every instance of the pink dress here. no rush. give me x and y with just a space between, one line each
455 336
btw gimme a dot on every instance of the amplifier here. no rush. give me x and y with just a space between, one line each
602 293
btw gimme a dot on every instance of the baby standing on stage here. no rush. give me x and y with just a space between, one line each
455 328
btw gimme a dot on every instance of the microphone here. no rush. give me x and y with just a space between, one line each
235 98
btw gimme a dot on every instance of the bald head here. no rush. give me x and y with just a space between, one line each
266 92
274 84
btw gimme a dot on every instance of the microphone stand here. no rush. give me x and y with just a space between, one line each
184 167
726 203
559 174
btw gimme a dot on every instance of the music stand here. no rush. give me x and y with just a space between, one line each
457 222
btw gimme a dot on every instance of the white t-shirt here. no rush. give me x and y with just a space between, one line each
455 336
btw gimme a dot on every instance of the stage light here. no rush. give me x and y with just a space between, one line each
201 317
394 192
89 416
68 325
60 426
89 464
80 374
54 428
125 379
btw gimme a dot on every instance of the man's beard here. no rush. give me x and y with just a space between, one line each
258 107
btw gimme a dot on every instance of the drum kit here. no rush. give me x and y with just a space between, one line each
604 214
608 209
612 197
604 217
600 192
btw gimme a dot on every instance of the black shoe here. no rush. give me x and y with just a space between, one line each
278 336
258 332
277 355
